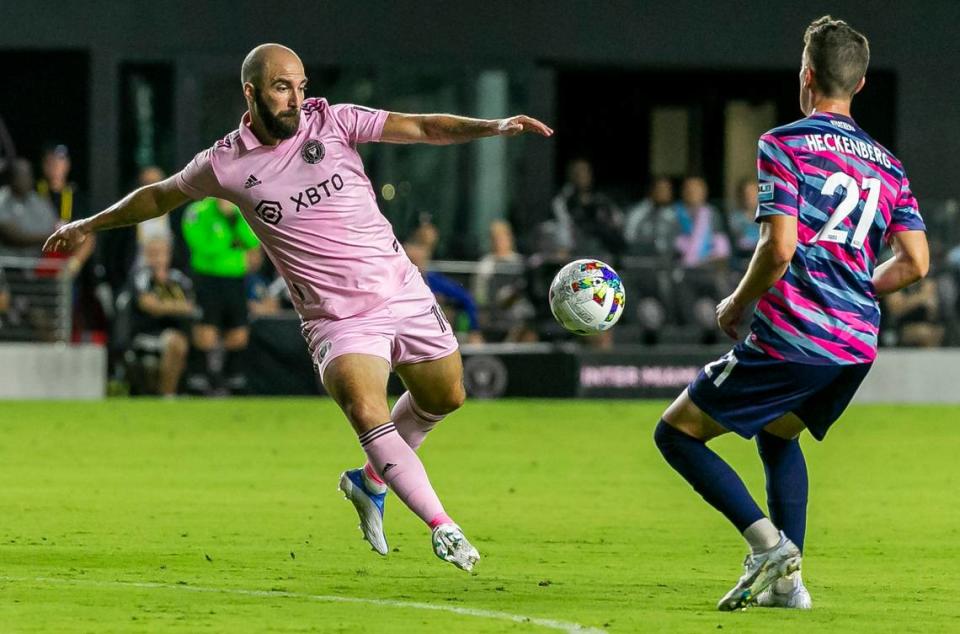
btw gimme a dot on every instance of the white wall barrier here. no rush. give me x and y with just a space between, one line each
58 371
913 376
52 371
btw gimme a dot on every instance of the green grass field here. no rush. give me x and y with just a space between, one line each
222 516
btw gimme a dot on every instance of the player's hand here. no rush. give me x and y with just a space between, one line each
520 124
729 315
67 237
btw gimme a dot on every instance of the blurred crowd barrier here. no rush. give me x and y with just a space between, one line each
36 298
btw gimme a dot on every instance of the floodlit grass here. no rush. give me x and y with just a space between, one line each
222 516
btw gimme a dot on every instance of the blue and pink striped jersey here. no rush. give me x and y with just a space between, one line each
849 195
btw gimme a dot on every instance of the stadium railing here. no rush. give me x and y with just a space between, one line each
40 305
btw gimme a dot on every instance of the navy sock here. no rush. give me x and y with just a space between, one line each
787 485
708 474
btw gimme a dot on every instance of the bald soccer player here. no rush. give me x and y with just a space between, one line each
293 169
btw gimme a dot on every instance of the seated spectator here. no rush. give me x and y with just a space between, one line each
261 300
702 241
450 295
163 310
122 248
588 221
744 230
914 314
503 294
158 227
652 226
704 252
26 219
501 251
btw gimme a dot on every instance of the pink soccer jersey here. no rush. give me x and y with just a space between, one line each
312 206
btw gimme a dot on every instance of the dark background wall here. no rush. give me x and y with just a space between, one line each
916 42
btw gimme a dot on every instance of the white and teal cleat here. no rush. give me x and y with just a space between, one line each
369 507
450 544
760 571
796 598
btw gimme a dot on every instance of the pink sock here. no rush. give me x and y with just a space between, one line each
412 423
401 469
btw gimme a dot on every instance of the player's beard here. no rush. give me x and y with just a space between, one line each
282 125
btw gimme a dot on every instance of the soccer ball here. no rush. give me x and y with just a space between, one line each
587 297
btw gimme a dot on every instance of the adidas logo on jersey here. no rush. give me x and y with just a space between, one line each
252 181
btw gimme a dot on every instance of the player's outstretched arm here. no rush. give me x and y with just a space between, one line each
778 242
909 264
445 129
139 205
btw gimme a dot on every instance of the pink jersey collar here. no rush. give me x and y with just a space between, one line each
250 140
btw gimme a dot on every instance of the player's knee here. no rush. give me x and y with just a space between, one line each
366 413
666 436
447 401
662 434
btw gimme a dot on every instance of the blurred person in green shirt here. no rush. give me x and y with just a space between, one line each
219 240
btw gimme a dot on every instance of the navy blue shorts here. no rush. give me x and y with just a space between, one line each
745 390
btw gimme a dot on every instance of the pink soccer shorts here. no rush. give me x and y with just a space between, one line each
408 328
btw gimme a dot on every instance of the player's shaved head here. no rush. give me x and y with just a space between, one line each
274 86
268 59
838 55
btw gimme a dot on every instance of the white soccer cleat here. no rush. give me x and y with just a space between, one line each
797 598
369 507
760 571
450 544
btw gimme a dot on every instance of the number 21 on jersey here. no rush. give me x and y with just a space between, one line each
851 198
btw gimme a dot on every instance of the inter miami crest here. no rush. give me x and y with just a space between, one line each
312 151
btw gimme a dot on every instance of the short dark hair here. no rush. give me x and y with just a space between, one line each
838 55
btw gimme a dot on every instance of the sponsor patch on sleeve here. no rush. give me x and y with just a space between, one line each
765 192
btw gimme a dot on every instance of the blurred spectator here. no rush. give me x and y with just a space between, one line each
219 239
426 234
262 301
702 240
652 226
914 314
744 230
450 295
26 219
550 255
704 253
503 294
502 251
70 204
163 310
120 247
66 199
588 221
158 227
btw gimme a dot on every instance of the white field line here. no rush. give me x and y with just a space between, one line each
563 626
